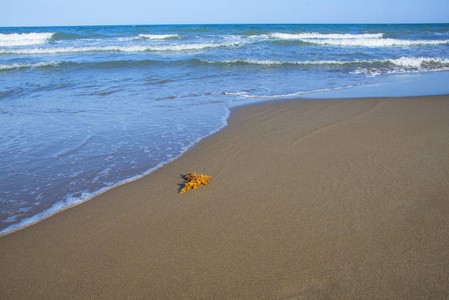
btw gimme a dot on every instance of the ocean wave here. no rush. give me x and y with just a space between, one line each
279 62
86 65
4 67
370 42
24 39
65 36
420 63
59 50
171 47
316 35
375 65
335 39
158 36
194 46
406 65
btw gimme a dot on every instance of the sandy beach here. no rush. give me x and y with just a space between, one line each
309 199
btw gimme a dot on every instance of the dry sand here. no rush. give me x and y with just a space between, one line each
345 199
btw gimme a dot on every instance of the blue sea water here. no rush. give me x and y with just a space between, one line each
83 109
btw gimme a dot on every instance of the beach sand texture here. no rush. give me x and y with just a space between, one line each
309 199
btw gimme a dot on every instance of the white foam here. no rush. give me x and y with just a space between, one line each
171 47
247 61
24 66
315 35
296 94
57 207
369 42
421 62
157 36
235 93
407 65
269 62
364 39
413 62
193 46
74 50
24 39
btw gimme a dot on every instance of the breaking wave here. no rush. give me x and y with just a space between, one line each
24 39
171 47
420 62
402 64
406 65
363 40
158 36
370 42
410 62
315 35
155 37
26 66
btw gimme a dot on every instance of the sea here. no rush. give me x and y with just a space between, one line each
84 109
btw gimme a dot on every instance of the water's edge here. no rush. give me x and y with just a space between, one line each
63 205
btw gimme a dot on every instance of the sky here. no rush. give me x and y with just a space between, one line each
17 13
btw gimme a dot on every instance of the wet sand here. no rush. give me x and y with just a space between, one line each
336 198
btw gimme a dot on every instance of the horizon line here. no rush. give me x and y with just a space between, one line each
212 24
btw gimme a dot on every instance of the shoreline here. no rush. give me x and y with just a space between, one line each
53 210
282 217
